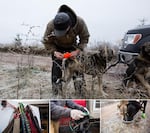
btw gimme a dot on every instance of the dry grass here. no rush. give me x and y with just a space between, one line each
28 76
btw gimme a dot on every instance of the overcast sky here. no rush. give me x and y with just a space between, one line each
107 20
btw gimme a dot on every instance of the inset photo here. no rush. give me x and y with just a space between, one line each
75 116
24 116
125 116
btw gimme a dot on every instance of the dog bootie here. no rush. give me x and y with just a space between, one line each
143 115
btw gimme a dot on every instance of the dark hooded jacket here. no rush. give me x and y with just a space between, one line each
78 30
58 109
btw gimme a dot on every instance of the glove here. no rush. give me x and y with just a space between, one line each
76 114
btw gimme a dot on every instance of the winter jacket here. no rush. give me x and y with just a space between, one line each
78 32
62 108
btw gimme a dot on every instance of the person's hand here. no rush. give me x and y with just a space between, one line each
75 53
76 114
58 55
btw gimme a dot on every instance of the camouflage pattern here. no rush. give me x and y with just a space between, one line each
78 30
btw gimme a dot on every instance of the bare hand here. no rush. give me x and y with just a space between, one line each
75 53
58 55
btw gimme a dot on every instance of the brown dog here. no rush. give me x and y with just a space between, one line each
122 106
89 62
141 66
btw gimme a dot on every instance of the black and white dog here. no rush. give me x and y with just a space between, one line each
133 107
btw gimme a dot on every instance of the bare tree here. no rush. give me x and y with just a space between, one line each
142 21
18 40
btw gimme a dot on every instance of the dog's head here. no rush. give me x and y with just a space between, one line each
122 106
145 50
132 108
106 52
103 52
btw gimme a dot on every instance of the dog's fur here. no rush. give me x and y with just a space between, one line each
129 108
122 106
89 62
140 67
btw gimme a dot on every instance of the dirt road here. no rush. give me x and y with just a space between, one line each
112 120
28 76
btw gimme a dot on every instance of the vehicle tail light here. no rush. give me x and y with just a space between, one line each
137 38
132 38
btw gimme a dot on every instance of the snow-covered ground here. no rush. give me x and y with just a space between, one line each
28 76
112 120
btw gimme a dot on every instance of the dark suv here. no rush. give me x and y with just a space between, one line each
132 42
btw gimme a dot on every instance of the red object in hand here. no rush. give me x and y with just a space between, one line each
67 55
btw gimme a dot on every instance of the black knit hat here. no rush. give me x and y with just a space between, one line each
61 23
